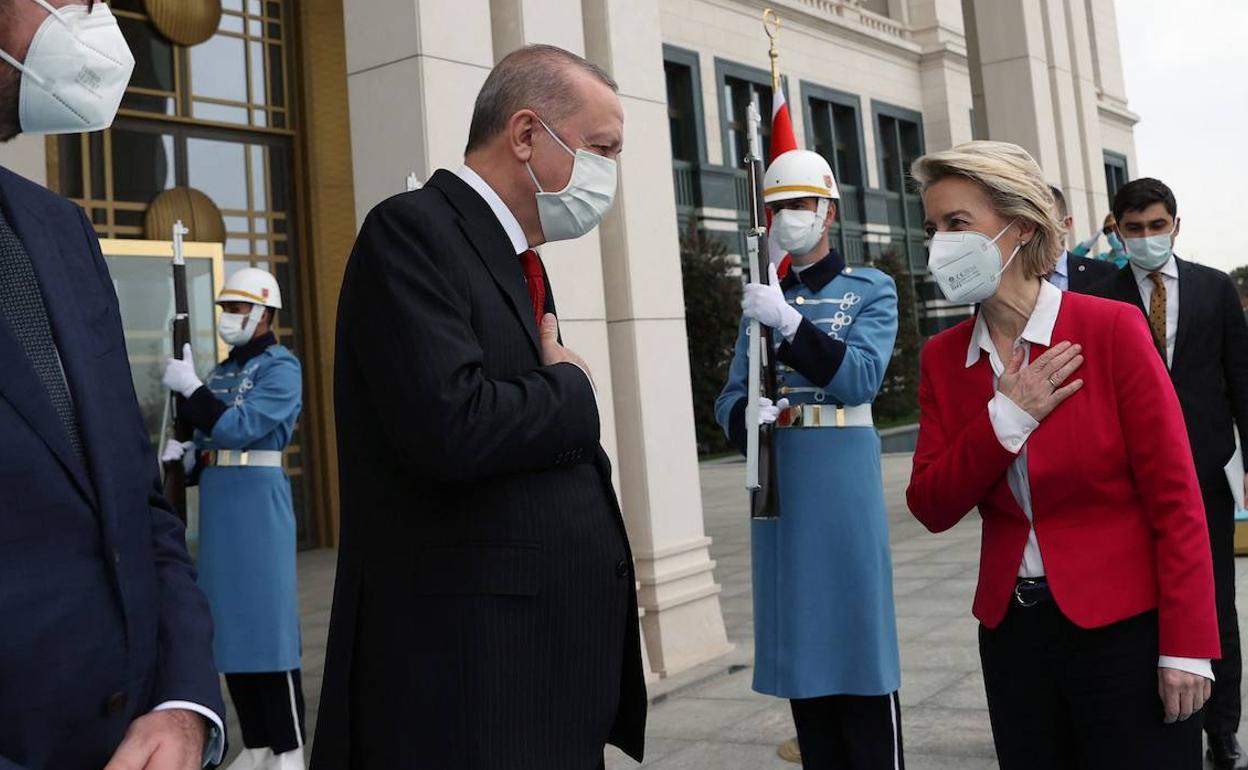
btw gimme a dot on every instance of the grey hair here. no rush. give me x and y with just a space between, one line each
535 77
1015 185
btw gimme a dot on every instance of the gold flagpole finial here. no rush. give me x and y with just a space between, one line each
771 25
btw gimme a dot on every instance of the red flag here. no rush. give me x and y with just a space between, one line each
782 140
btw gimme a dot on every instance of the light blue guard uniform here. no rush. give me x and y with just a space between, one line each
246 521
823 588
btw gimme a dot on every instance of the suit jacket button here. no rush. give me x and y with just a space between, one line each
116 556
621 568
115 704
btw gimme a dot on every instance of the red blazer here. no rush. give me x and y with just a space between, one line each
1118 511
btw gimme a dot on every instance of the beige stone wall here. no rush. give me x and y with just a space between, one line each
27 157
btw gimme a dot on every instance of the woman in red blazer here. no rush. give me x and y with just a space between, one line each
1053 414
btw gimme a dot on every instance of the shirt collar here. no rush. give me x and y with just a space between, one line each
511 225
816 276
1038 331
241 354
1062 266
1169 270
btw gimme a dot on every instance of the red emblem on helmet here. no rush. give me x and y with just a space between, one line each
827 181
264 293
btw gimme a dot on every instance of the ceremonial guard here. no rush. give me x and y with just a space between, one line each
244 415
825 635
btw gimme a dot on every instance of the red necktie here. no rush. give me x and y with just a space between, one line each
531 265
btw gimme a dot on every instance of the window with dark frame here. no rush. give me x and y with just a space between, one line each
1116 174
835 130
738 93
681 115
901 142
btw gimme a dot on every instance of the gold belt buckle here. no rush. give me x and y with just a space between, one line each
242 457
840 417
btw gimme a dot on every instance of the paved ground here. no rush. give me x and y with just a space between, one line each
710 719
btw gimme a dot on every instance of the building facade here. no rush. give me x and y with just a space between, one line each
297 116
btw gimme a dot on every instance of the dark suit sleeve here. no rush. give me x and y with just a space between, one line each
1235 360
186 670
813 354
408 329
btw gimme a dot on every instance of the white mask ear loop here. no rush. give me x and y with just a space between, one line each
54 13
1013 254
554 136
257 312
20 68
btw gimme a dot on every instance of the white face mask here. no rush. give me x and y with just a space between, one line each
75 72
238 328
967 266
798 230
580 206
1152 252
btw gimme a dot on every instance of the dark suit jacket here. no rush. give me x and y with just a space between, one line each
1083 273
484 614
1210 367
102 617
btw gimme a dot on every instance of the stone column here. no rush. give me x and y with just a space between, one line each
937 26
413 71
683 624
1013 67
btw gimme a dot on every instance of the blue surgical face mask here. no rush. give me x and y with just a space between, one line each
1152 252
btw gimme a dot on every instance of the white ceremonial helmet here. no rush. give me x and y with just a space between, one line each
252 285
799 174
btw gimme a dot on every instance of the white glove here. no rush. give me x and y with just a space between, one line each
769 412
180 374
179 450
766 304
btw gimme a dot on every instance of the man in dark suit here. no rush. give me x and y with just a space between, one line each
1200 332
106 653
1072 273
485 614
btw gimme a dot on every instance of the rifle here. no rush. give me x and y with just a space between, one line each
760 468
175 474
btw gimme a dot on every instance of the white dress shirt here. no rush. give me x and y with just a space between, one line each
1169 279
1013 426
508 220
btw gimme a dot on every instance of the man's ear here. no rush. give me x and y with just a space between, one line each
1177 223
520 129
831 217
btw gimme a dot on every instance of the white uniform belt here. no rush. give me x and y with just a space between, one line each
259 458
826 416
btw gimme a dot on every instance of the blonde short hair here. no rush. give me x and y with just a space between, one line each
1015 186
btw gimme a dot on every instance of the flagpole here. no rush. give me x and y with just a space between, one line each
771 25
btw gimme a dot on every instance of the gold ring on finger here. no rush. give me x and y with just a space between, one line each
1052 383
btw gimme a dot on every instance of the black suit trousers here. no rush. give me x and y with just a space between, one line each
1061 697
1223 710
